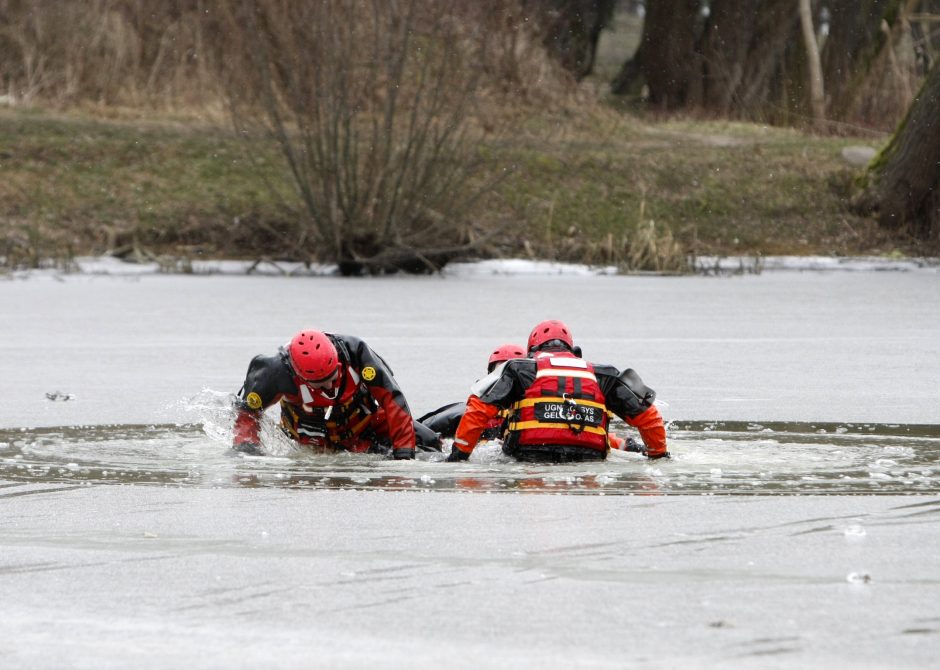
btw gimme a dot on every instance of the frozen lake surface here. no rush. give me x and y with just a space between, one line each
797 525
145 577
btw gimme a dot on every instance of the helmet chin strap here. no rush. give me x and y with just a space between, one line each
306 396
334 390
306 393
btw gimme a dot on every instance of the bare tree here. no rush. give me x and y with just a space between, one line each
903 183
743 49
746 58
370 104
816 87
665 60
727 63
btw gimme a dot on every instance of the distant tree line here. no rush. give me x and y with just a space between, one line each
747 58
858 61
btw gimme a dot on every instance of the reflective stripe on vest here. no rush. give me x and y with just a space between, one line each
529 425
555 372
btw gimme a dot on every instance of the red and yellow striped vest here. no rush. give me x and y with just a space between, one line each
564 405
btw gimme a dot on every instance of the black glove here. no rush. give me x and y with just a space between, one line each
456 455
635 447
250 448
403 454
654 457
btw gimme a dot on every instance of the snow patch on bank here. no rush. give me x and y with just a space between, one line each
706 265
521 266
757 264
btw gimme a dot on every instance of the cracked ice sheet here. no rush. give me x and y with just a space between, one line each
99 577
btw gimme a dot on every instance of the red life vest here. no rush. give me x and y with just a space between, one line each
563 406
311 418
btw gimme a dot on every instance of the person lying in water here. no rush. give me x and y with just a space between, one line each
444 420
335 394
558 404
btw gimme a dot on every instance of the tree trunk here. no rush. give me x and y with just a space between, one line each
742 48
668 46
730 66
816 91
572 30
725 46
903 190
767 85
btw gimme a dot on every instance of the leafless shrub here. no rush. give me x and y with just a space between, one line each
371 104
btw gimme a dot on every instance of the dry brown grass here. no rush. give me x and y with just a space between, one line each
109 52
172 56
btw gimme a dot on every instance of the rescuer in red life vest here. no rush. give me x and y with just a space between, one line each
558 404
335 394
444 420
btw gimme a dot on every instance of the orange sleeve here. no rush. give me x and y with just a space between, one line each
652 430
475 419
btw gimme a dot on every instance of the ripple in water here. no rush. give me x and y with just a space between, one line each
710 458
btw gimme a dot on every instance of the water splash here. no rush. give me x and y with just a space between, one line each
708 459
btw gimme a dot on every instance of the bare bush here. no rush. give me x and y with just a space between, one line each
371 103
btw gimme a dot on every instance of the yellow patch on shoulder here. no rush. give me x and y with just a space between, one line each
253 400
368 373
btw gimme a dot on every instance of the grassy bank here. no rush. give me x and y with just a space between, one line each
593 191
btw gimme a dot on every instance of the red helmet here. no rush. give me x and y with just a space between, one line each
504 353
548 331
312 355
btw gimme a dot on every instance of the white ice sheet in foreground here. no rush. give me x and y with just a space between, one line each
150 577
